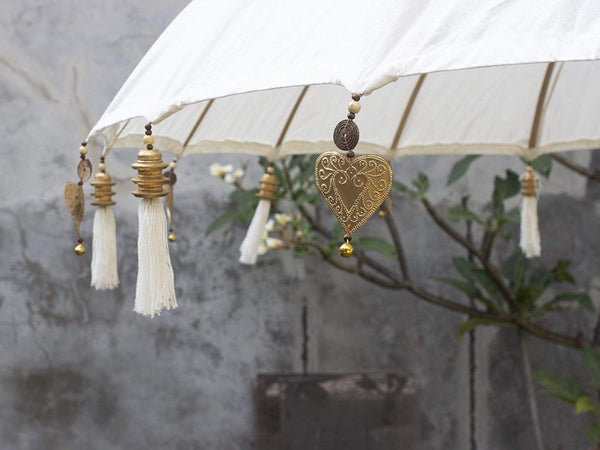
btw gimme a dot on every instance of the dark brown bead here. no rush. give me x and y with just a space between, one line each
80 183
347 238
82 156
148 132
148 127
149 147
80 240
102 159
356 97
351 116
350 154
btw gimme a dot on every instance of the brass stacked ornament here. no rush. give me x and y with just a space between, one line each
104 241
353 187
155 288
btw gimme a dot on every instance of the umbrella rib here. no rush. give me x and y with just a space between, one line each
288 122
539 109
196 125
407 110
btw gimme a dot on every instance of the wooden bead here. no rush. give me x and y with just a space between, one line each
354 107
148 140
83 150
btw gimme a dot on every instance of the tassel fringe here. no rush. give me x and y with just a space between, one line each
530 233
104 250
155 289
256 230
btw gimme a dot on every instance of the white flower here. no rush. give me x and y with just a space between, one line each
282 219
229 178
270 226
274 243
262 249
227 169
216 170
238 173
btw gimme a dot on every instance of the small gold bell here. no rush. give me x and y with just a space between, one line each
382 213
172 237
346 250
79 249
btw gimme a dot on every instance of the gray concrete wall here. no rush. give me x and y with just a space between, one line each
80 370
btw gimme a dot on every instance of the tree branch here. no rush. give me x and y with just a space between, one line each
504 291
595 176
391 224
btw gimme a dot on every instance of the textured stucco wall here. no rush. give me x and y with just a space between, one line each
80 370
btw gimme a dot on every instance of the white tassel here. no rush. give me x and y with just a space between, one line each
530 233
155 287
254 236
104 250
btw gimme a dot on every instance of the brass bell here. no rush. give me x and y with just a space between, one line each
79 249
346 250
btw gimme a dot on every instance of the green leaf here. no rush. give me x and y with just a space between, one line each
405 190
584 404
470 290
513 216
376 244
593 432
582 298
421 183
461 212
478 276
559 387
460 167
591 362
541 278
221 221
504 188
526 296
514 269
561 273
543 164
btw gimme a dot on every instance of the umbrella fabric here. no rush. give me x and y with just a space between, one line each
483 110
267 52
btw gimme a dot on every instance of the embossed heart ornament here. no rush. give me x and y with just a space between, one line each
354 188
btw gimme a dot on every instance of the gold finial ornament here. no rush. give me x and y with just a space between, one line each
267 185
346 250
103 193
79 249
172 237
529 183
150 179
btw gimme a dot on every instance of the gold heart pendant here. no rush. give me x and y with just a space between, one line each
353 188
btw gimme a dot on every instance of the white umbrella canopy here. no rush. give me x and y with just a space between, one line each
475 111
267 52
272 78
